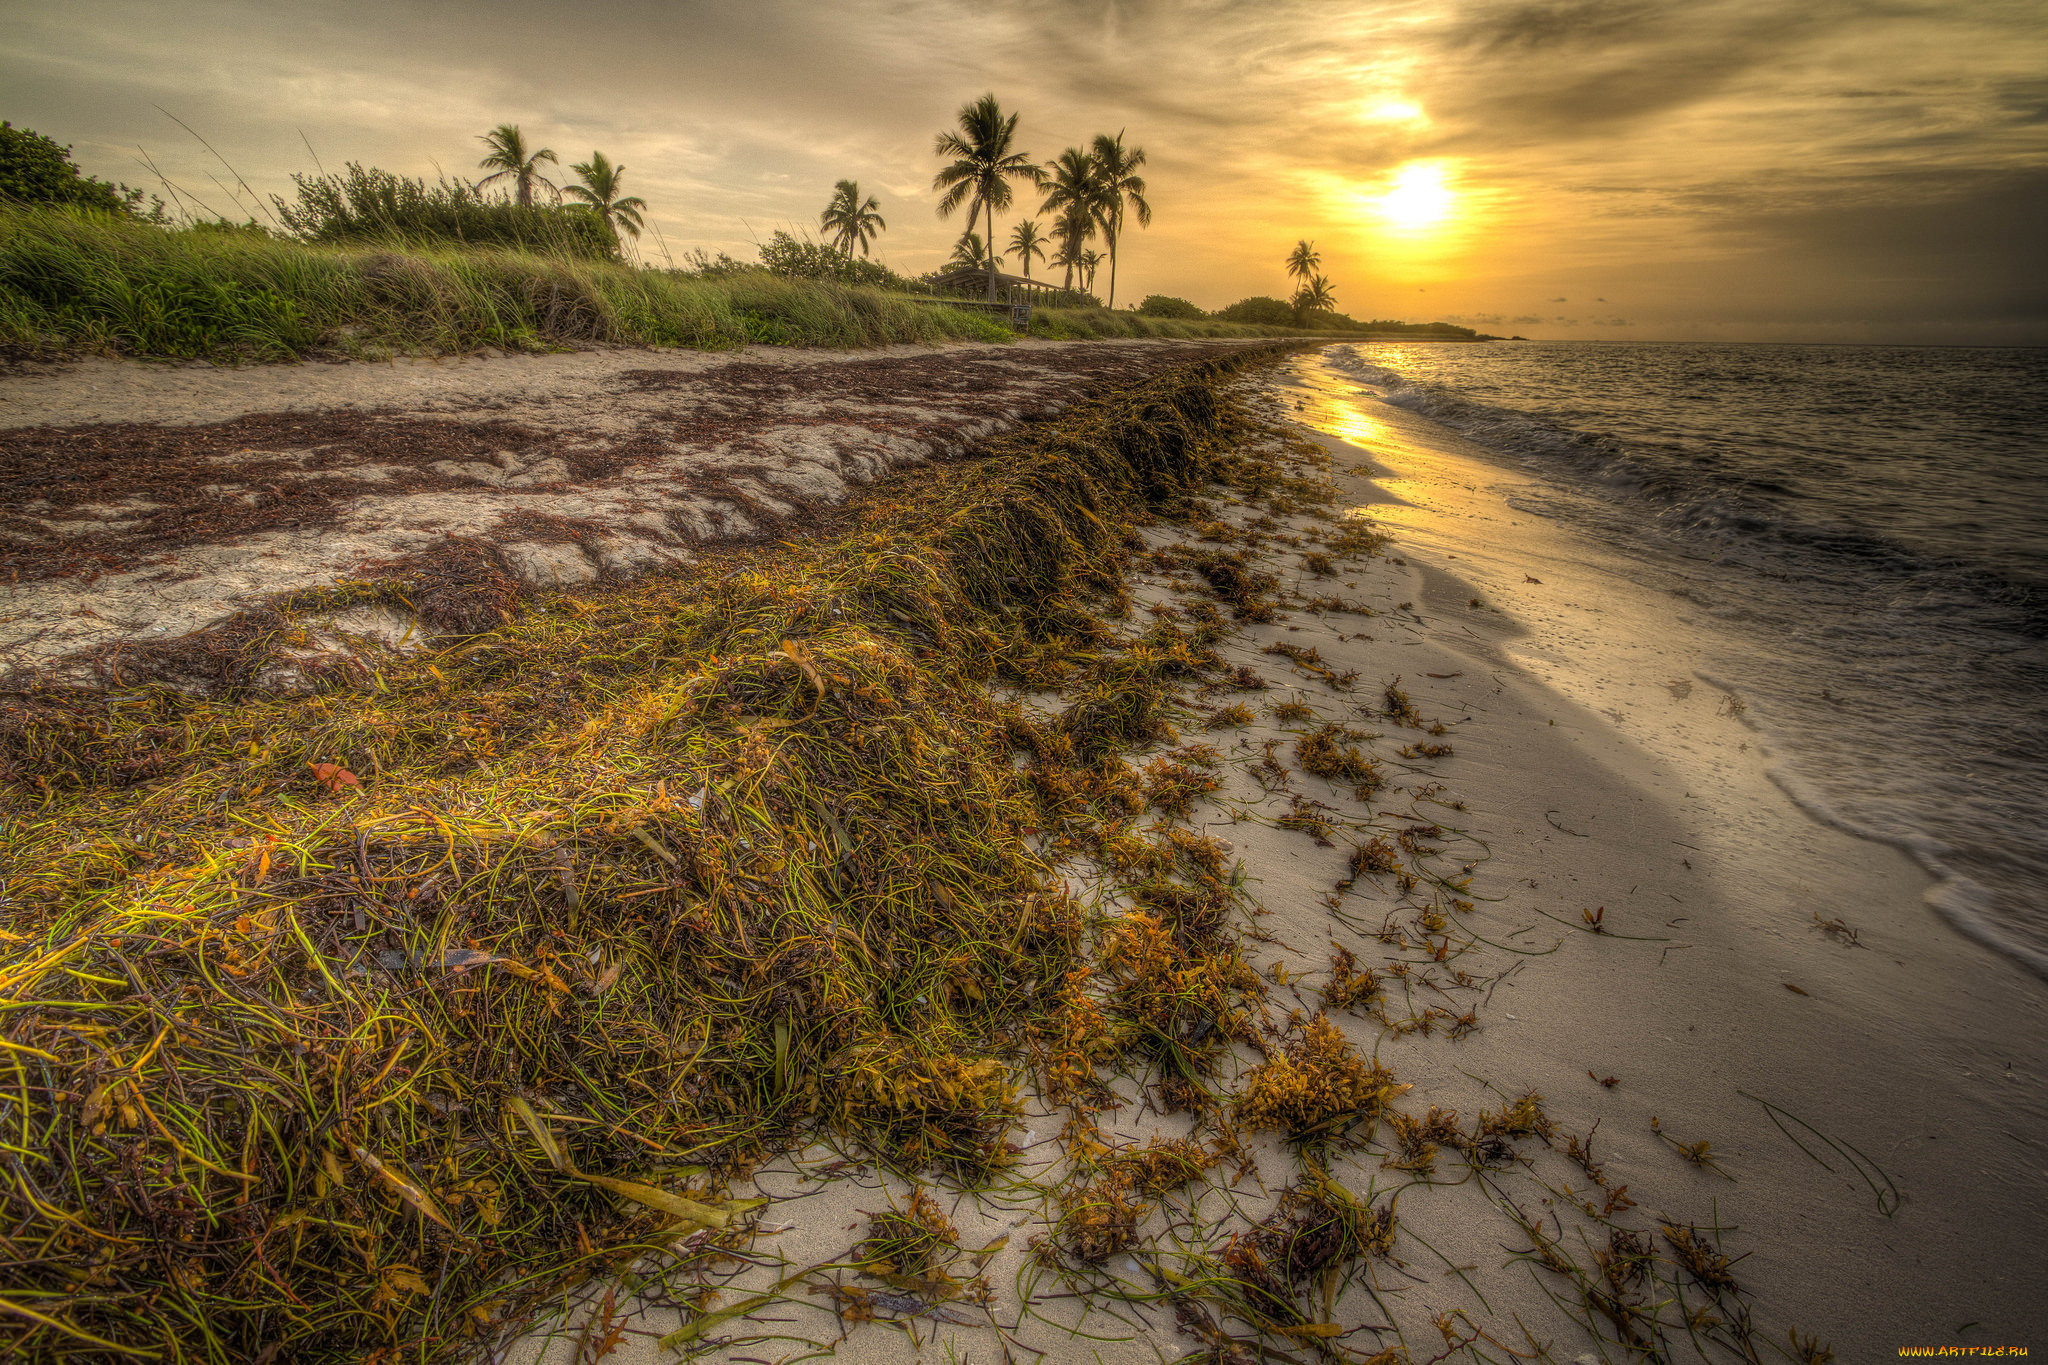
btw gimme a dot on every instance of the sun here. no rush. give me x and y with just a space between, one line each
1416 198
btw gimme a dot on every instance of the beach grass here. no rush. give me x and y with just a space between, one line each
82 282
73 281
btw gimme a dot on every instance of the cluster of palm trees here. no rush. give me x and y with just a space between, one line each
1088 192
509 159
1312 290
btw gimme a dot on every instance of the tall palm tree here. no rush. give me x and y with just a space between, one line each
1074 198
1026 242
851 222
599 192
984 163
1122 188
1304 260
509 159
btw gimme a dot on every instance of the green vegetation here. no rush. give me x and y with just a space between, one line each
1120 189
985 161
363 204
370 263
852 221
1166 306
82 281
1087 324
1026 242
1071 198
1258 310
507 157
35 170
600 193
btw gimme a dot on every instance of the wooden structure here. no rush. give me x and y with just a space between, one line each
1013 294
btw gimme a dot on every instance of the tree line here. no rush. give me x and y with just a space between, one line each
1089 192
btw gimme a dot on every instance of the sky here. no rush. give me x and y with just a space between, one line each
1741 170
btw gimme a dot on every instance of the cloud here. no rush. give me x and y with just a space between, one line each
1836 163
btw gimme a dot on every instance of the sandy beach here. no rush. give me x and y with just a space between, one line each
1660 944
1672 1069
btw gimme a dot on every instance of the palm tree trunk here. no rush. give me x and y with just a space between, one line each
1112 270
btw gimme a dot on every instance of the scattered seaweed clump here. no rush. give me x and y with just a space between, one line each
1283 1275
909 1247
1316 1087
1349 986
1331 754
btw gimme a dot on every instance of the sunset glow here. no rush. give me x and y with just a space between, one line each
1642 171
1416 198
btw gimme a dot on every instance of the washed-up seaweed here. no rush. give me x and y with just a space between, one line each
347 1025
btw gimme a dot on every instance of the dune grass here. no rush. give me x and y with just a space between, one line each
73 282
80 282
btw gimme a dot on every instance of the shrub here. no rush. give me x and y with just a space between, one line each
364 204
809 260
1166 306
35 170
1260 311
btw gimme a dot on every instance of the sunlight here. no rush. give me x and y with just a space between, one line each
1394 111
1416 198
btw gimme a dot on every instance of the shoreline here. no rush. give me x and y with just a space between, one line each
1916 1008
1681 1007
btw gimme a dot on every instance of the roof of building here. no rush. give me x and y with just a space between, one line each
979 278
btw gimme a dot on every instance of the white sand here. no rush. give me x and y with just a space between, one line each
1590 781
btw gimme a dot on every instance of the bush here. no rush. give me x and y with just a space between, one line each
35 170
1260 311
809 260
1166 306
365 204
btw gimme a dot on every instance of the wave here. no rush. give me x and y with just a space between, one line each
1704 507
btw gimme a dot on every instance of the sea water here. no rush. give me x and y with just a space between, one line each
1866 529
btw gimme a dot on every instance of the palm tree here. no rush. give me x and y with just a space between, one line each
1088 261
1025 241
508 158
970 254
1122 187
599 192
851 222
1315 294
983 166
1074 198
1304 260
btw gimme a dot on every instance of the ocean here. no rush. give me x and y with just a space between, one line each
1864 531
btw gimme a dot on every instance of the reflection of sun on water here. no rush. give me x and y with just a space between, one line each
1416 198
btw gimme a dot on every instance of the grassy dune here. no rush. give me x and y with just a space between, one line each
79 282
